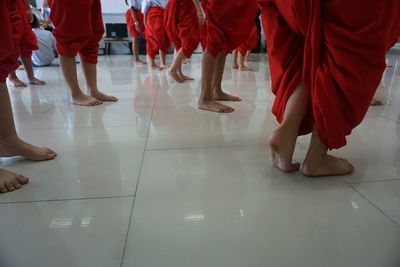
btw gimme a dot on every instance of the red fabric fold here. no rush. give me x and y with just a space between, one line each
337 49
251 42
228 24
156 35
78 28
182 25
131 23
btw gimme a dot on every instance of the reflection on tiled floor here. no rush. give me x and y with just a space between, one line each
151 181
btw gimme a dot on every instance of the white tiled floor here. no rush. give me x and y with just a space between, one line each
151 181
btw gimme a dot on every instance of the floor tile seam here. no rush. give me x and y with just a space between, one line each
65 199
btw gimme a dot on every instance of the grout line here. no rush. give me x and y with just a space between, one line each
66 199
373 204
138 180
372 181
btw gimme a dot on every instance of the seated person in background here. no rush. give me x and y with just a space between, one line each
46 53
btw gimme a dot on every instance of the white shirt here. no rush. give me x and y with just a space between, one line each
44 56
146 4
136 4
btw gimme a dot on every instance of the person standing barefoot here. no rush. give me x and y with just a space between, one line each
81 36
324 75
135 22
10 143
228 23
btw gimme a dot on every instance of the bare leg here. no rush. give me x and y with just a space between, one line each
152 63
10 144
242 65
90 72
282 141
247 56
27 62
235 59
218 94
12 77
135 49
176 67
206 100
163 64
68 68
319 163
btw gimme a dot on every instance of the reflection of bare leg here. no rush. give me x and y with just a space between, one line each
282 141
206 100
68 68
135 50
90 72
10 144
13 79
218 93
27 62
319 163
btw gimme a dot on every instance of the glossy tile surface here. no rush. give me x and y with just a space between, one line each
153 181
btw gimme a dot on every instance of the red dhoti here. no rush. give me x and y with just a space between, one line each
156 36
228 24
182 25
78 28
131 23
251 42
26 39
337 50
8 48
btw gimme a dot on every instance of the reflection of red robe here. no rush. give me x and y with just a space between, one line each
182 25
26 38
8 48
78 27
228 24
251 42
131 23
156 36
337 49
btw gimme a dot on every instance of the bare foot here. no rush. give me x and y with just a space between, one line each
235 66
10 181
375 102
186 61
326 165
175 75
154 66
13 146
103 97
140 62
36 81
282 144
84 100
222 96
17 82
245 68
214 106
164 66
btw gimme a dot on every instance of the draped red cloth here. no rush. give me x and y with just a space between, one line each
182 25
8 46
131 23
156 35
26 39
78 28
228 24
251 42
337 50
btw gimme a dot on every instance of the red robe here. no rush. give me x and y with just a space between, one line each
78 27
251 42
8 46
156 35
26 39
337 49
228 24
131 23
182 25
